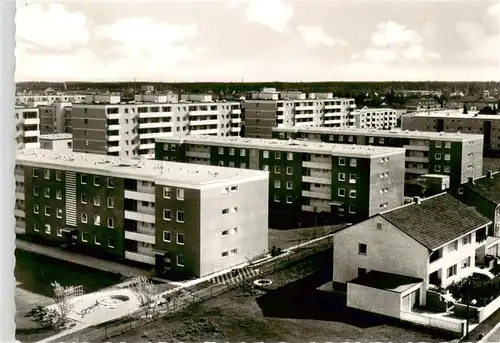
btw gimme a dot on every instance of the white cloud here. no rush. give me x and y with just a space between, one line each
314 35
52 28
275 14
393 42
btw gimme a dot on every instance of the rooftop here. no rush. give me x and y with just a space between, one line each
386 281
179 103
436 221
57 136
455 114
348 150
162 172
487 186
394 133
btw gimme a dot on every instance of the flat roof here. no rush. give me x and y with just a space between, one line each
57 136
160 172
456 114
432 135
151 103
387 281
300 146
298 100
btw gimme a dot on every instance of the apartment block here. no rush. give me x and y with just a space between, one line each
310 183
457 121
48 99
55 118
264 111
27 127
375 118
391 262
57 141
177 218
106 125
457 155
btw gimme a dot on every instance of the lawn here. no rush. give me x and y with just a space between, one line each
287 238
296 312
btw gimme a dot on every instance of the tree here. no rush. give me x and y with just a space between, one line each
62 298
147 295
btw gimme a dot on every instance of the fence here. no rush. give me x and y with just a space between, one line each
187 297
454 326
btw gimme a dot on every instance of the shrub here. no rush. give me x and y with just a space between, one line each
477 287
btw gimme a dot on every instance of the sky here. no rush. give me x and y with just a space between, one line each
257 40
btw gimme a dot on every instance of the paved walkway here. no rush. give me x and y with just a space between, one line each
89 261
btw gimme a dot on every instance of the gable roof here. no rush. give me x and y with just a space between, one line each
436 220
487 187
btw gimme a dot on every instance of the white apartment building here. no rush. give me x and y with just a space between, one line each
266 110
34 100
55 118
27 128
106 125
57 141
375 118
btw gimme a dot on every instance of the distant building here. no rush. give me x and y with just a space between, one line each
407 92
418 105
27 127
55 118
310 183
479 102
375 118
48 99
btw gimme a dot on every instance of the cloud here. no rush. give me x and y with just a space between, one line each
52 28
393 42
314 35
274 14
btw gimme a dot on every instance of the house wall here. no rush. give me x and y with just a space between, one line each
374 300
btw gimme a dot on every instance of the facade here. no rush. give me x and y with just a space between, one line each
457 155
419 105
484 195
390 261
479 102
27 127
310 183
266 110
189 220
375 118
457 121
57 141
48 99
106 125
55 118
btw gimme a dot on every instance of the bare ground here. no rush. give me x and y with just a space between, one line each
288 238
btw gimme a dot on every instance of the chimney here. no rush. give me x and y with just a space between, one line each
417 200
470 180
490 174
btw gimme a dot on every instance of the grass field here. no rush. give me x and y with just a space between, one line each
287 238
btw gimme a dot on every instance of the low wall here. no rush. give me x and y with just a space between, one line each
454 326
435 301
460 310
488 310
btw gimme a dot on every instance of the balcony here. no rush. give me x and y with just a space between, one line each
416 147
316 195
31 133
133 256
317 165
115 127
113 149
319 180
113 116
140 237
139 196
154 125
19 213
146 146
140 217
31 121
417 159
419 171
198 154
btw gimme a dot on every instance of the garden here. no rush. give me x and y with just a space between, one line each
477 289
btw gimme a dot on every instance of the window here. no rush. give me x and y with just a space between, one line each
224 253
111 183
47 229
96 181
362 249
276 198
83 179
341 176
35 190
59 213
83 217
36 209
58 175
225 211
111 222
97 220
111 202
231 164
453 246
447 157
352 193
180 238
379 226
243 165
370 140
47 211
277 155
466 262
437 168
447 145
341 192
34 173
289 156
172 147
452 271
231 151
361 272
58 194
437 156
265 167
180 260
180 194
234 188
234 252
341 138
97 240
341 161
466 239
180 217
46 174
438 144
277 169
243 152
352 178
265 154
111 242
288 199
353 162
59 232
277 183
225 233
167 192
289 185
97 200
46 192
289 170
167 214
84 237
35 228
166 236
83 198
165 146
221 151
446 169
